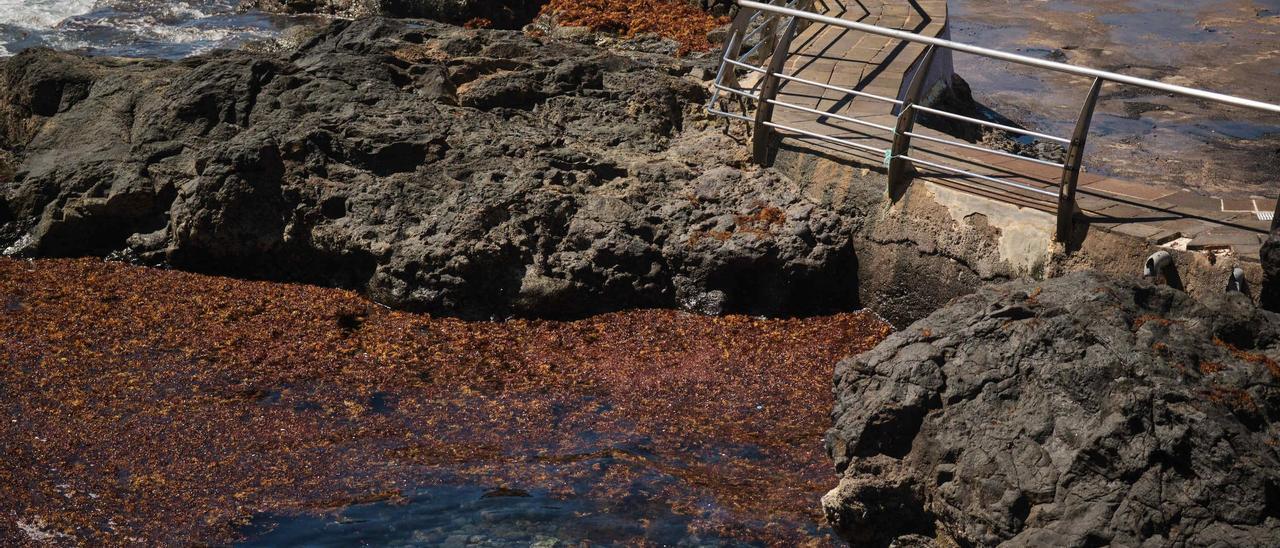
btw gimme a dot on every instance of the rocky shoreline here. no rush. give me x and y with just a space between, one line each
469 172
482 174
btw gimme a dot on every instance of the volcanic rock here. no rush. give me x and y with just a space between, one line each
1270 255
1079 411
466 172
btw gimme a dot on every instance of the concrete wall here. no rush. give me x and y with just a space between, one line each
937 243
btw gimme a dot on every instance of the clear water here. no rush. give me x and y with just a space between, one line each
475 516
132 28
597 487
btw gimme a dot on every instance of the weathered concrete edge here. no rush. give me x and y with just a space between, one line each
938 79
937 243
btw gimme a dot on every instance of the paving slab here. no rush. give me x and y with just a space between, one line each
1192 200
1128 189
1223 237
1237 205
1138 230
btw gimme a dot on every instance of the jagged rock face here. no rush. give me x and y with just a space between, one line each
474 173
505 14
1080 411
1270 254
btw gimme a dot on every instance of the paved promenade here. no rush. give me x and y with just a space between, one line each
1161 214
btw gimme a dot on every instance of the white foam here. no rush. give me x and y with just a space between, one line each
127 27
41 14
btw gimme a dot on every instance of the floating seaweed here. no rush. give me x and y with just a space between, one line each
174 407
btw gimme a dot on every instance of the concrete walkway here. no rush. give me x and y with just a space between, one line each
879 65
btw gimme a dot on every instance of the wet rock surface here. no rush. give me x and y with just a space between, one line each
1080 411
475 173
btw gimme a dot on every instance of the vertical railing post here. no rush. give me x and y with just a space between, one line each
1071 166
761 134
1275 217
724 74
897 165
733 47
771 30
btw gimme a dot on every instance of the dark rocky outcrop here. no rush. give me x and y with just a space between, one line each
464 172
1270 255
1080 411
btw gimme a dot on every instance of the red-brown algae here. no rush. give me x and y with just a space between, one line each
172 407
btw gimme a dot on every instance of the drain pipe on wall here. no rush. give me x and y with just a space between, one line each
1156 264
1159 263
1237 282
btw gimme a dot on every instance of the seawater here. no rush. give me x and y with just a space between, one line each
133 28
458 516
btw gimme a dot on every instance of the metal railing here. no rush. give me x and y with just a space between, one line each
757 31
772 26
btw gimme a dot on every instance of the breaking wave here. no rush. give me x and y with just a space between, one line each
132 28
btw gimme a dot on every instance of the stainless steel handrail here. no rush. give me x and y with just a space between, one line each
782 30
737 91
981 176
986 150
838 88
1015 58
1011 129
720 72
825 114
742 65
753 49
727 114
828 138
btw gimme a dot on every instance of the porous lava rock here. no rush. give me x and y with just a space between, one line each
1079 411
1270 255
476 173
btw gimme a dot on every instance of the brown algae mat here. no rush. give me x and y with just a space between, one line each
166 407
